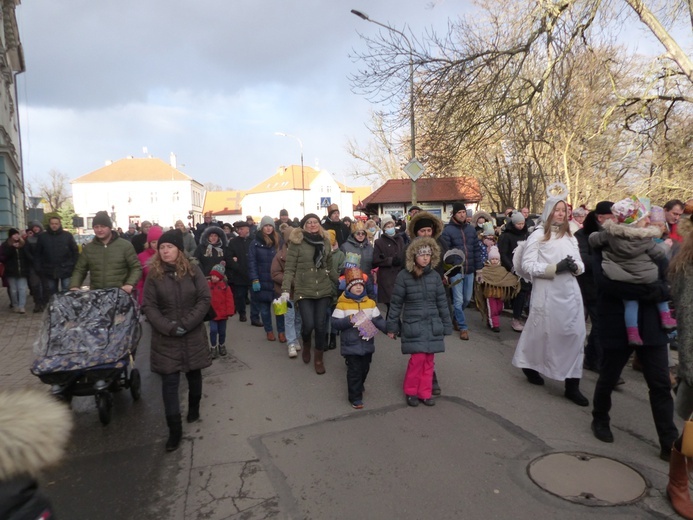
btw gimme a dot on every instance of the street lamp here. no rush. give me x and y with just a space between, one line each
303 179
364 16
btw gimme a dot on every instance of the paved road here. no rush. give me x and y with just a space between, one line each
278 441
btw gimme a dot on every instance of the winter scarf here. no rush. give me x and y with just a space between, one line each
214 247
317 241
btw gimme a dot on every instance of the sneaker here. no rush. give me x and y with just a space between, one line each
21 310
292 350
357 405
297 345
517 325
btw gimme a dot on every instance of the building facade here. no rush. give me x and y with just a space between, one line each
132 190
12 189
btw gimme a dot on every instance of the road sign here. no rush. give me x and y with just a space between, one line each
414 169
325 202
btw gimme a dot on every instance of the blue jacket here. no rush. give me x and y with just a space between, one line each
260 256
463 236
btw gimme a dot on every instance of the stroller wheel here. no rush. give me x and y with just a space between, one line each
135 384
104 403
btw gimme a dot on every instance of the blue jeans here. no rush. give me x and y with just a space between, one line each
53 285
217 327
292 322
461 296
18 290
266 315
631 313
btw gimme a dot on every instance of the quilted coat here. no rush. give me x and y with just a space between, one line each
208 257
170 302
308 281
222 300
419 307
56 253
388 251
260 256
463 236
112 263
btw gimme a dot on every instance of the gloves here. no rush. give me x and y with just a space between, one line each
256 285
567 264
285 296
180 331
396 261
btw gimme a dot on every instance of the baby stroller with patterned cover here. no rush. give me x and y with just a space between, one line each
87 346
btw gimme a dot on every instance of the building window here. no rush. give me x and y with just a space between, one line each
176 196
153 197
328 189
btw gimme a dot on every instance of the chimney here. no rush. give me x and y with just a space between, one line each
172 160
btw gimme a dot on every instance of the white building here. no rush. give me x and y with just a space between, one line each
293 188
136 189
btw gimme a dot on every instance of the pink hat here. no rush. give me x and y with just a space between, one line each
154 233
493 253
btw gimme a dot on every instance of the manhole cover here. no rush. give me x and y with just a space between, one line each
587 479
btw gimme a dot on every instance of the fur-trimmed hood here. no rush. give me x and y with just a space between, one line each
484 214
204 238
296 235
34 430
631 232
410 261
437 224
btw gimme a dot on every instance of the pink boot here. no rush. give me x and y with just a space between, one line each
668 323
634 339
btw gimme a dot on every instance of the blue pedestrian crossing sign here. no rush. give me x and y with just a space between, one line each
325 202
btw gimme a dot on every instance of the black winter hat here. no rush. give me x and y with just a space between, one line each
102 219
309 215
603 207
457 206
173 236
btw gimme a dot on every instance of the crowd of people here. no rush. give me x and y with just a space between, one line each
626 268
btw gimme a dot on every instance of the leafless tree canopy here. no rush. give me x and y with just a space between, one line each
54 190
528 93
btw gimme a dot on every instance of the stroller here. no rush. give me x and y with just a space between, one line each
87 346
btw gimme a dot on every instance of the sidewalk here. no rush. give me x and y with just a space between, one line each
18 332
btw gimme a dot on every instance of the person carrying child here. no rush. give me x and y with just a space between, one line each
630 254
496 286
223 306
358 319
419 313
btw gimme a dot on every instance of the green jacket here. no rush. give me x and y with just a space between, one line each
110 264
308 281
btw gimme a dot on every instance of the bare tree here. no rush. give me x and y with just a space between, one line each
54 190
210 186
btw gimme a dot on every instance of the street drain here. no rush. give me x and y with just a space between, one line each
587 479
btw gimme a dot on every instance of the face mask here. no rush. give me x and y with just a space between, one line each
371 230
390 231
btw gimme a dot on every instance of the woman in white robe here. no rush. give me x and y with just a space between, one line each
552 342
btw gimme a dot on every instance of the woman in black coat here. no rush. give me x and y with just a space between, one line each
515 232
388 257
176 300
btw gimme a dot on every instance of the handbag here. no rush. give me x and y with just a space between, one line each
687 442
210 314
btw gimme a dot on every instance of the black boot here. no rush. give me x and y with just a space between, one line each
333 342
193 407
533 376
436 385
572 392
175 432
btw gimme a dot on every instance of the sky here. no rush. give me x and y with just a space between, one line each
211 81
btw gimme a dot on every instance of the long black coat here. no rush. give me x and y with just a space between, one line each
15 260
388 251
170 302
237 270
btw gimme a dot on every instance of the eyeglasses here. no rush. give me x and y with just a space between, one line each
363 233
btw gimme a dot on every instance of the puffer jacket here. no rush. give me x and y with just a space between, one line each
15 260
222 300
419 307
507 243
209 257
260 256
463 236
350 342
56 253
170 302
308 281
629 254
110 264
34 430
238 271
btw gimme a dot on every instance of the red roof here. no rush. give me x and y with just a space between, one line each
447 189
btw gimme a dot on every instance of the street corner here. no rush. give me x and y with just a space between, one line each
231 490
450 461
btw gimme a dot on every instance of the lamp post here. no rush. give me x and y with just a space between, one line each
364 16
303 179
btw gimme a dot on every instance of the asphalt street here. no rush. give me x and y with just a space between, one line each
278 441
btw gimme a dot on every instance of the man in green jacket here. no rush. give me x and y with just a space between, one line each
109 259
